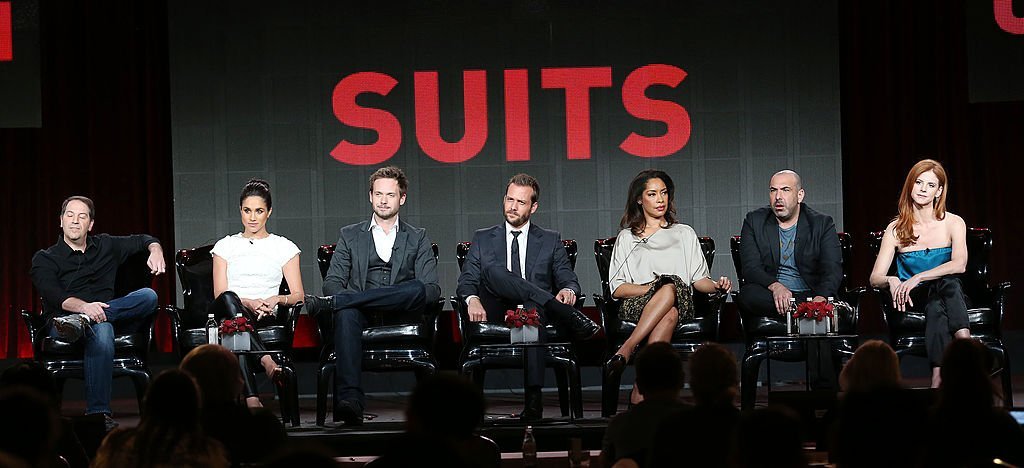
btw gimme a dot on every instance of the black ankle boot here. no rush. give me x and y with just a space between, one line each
316 304
580 325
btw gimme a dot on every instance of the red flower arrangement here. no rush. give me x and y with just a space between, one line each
814 310
235 325
519 317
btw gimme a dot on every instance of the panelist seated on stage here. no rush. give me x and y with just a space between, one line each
76 277
656 264
790 251
247 272
929 245
519 263
381 265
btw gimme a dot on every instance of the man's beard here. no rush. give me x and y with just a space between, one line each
521 220
381 215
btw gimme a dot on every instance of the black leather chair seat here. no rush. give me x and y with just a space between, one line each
477 333
980 320
122 343
395 335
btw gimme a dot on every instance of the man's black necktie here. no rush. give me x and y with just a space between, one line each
516 269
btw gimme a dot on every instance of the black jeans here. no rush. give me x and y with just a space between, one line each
229 305
406 298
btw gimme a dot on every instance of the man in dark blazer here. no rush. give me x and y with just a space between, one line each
380 265
788 250
505 268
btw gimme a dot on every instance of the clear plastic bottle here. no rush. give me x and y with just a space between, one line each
529 448
211 329
790 319
833 321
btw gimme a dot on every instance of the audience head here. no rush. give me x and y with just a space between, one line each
31 430
172 400
388 187
786 192
966 385
770 437
714 378
659 371
520 202
648 190
33 375
445 405
874 366
215 370
926 184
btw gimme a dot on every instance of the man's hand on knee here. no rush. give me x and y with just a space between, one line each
476 310
781 296
95 311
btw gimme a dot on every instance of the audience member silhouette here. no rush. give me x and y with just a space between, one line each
876 412
874 366
30 428
250 436
168 433
702 434
33 375
769 437
966 429
444 412
659 378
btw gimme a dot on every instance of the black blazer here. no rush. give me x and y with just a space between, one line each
413 258
547 264
819 258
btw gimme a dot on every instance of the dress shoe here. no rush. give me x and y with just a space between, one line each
108 423
534 409
615 365
316 304
579 324
349 413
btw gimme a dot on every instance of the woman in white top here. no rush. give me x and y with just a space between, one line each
247 272
655 263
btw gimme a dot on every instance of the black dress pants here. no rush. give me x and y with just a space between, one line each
945 311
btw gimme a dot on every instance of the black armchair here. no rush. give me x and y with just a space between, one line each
391 342
757 329
985 308
702 328
474 360
66 360
188 323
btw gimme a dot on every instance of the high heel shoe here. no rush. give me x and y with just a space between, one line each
615 365
280 376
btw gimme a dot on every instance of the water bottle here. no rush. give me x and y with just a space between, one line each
833 321
211 329
529 448
789 316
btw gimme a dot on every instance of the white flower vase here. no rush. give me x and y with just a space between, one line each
525 334
236 341
809 326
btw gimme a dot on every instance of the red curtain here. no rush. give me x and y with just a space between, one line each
105 134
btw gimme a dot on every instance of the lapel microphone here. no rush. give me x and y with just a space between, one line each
636 243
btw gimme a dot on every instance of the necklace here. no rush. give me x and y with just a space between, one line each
786 246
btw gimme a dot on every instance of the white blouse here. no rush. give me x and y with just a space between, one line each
674 250
255 266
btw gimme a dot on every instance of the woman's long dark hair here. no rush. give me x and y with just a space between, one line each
633 217
256 188
171 417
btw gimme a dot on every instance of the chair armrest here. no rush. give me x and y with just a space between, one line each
853 297
174 313
999 294
34 324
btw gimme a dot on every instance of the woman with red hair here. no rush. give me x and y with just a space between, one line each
930 247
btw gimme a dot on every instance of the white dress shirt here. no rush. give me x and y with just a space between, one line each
383 242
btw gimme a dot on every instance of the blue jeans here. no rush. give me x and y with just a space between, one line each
126 314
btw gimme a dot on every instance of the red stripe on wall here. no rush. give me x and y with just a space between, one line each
6 36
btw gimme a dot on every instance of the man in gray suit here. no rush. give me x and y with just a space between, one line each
379 265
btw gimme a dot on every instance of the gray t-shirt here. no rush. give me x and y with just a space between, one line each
789 276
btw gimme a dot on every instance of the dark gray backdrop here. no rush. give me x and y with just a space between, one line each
251 86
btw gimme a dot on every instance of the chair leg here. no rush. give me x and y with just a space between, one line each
576 392
610 394
748 385
323 378
289 398
59 383
562 378
141 382
1006 376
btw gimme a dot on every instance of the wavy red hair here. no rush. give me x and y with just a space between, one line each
905 220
